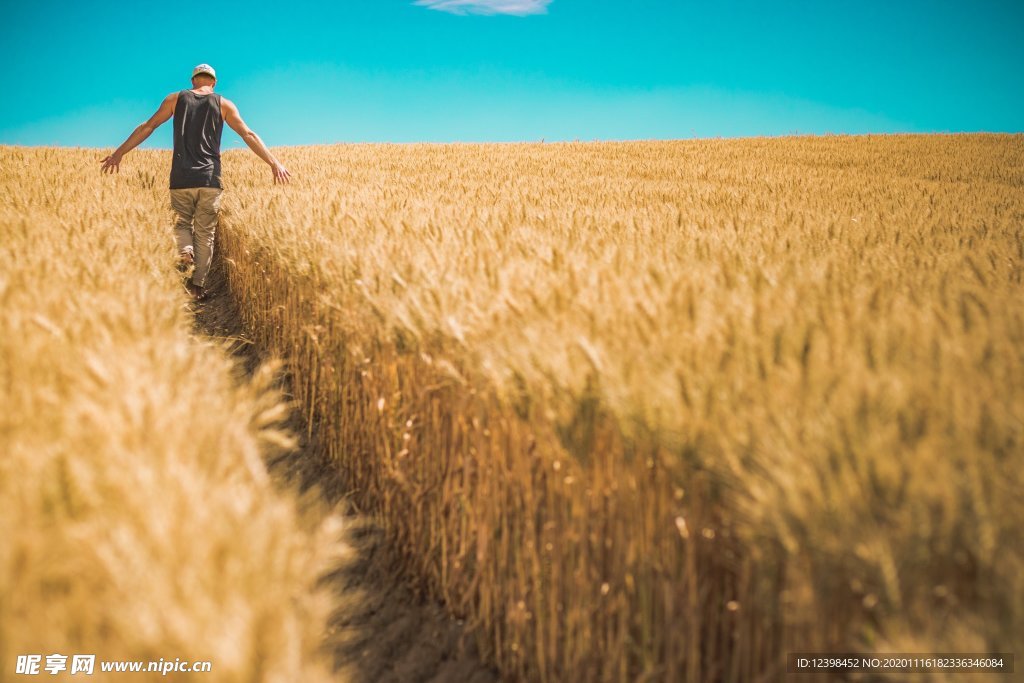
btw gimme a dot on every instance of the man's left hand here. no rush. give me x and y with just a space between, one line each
111 164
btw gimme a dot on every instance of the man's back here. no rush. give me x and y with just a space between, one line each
198 123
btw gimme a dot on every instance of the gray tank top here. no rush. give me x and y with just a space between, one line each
198 124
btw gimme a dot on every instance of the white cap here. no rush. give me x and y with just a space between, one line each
204 69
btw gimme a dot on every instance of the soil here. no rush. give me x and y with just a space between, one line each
379 631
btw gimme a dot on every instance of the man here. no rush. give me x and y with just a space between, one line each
199 116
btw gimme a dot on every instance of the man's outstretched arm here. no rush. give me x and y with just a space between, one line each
143 131
234 119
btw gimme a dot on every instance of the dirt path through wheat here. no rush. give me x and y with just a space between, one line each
378 631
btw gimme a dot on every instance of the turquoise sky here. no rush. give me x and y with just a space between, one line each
85 73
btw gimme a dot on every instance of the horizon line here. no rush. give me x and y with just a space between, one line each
793 135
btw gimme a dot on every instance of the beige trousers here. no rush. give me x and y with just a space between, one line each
197 209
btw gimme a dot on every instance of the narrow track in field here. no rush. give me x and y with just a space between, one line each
378 632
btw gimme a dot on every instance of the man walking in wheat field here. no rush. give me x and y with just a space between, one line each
199 117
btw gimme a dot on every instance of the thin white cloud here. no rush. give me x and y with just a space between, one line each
519 8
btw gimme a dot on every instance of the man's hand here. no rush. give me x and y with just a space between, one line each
281 174
111 164
234 119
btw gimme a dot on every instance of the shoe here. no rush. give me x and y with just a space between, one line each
198 293
185 261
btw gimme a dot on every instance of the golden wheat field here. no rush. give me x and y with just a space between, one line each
636 411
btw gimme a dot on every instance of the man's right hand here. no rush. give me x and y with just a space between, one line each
281 174
234 120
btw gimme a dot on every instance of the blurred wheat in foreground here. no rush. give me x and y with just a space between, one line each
137 520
